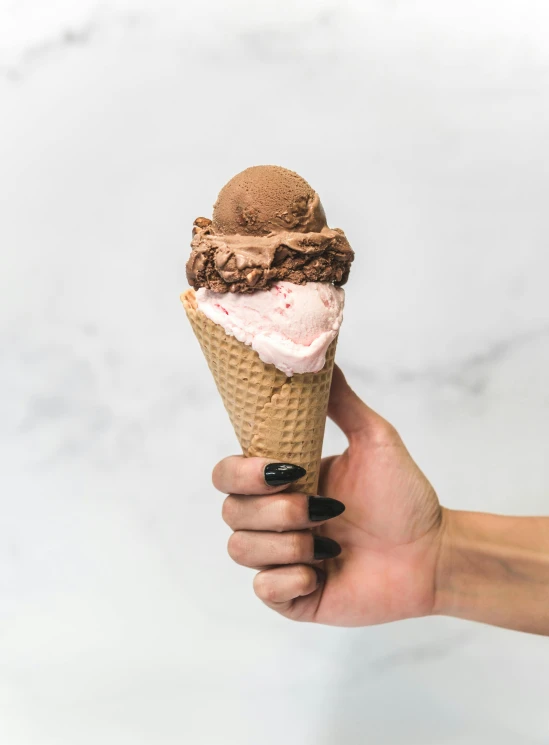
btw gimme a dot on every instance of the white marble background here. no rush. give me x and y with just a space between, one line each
424 126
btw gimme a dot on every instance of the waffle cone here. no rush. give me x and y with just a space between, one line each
273 416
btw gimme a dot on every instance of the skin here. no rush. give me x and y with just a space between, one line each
403 555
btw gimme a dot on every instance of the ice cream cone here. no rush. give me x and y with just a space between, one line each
274 416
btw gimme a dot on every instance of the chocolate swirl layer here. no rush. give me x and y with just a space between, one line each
245 263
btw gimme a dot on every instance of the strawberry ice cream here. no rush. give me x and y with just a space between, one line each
288 325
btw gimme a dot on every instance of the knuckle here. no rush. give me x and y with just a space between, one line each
230 475
384 433
264 587
391 432
219 475
238 547
286 515
230 511
297 547
305 580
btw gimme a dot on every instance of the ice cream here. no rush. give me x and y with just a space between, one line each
267 268
268 225
266 306
288 325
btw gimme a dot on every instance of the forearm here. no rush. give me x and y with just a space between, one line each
495 570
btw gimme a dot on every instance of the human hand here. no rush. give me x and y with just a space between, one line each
389 534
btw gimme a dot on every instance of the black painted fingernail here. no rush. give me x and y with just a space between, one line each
324 508
277 474
325 548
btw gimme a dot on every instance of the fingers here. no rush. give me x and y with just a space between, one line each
279 513
254 549
279 586
239 475
350 413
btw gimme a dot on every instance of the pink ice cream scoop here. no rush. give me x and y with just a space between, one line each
289 325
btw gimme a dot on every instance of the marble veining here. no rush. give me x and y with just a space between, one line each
471 375
424 128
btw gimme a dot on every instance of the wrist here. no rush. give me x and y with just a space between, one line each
494 569
470 561
447 570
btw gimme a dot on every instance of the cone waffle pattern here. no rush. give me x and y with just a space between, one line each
273 416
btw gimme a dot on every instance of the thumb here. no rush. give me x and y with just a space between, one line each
349 412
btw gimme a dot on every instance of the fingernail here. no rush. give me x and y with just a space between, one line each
325 548
324 508
277 474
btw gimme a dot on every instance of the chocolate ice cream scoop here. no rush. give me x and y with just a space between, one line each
266 199
268 225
